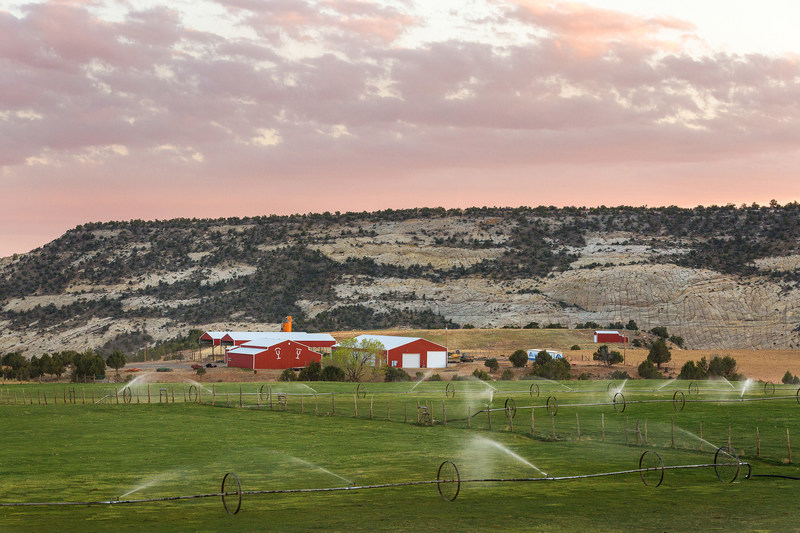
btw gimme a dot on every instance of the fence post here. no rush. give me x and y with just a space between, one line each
789 445
603 425
355 405
240 396
227 399
83 394
672 431
578 424
116 395
370 407
173 394
213 394
315 404
489 414
645 432
39 399
55 399
333 403
469 417
148 393
184 394
637 432
532 419
417 411
553 420
444 414
758 443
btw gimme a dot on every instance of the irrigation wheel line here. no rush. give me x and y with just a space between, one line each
619 403
552 405
657 465
193 390
447 477
726 465
127 395
693 388
678 401
264 393
510 408
534 391
769 388
238 493
361 391
450 391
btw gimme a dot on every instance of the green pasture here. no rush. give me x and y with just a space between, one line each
304 436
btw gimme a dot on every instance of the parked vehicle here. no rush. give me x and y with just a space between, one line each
163 369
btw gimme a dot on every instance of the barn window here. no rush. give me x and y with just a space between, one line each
394 363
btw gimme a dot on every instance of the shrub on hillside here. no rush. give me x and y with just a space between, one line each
482 375
332 373
575 347
288 375
435 377
519 358
619 374
311 372
789 379
647 370
393 374
491 364
608 357
507 375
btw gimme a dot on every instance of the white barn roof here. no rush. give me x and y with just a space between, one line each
389 342
297 336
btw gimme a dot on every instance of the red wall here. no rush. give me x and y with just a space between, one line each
420 346
239 360
287 354
611 337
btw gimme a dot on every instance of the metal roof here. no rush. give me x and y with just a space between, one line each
297 336
245 351
389 342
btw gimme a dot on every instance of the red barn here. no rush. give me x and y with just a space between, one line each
613 337
410 352
277 354
212 338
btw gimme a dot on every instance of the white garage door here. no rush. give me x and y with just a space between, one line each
410 360
437 359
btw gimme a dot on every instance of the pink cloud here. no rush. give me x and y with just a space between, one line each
144 118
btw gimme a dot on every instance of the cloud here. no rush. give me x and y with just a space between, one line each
323 93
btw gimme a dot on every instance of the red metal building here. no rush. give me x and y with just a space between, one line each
278 354
613 337
410 352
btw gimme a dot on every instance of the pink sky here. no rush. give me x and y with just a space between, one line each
247 107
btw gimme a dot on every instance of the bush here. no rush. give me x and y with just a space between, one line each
468 326
519 358
288 375
723 367
659 353
549 368
647 370
311 372
531 325
789 379
677 341
660 331
609 357
507 375
637 343
584 376
554 325
332 373
690 370
491 364
619 374
575 347
435 377
480 374
632 325
393 374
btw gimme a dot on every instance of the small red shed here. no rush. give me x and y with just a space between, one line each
278 354
613 337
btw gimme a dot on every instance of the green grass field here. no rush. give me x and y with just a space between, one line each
84 452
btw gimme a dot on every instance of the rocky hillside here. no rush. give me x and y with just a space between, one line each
720 277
